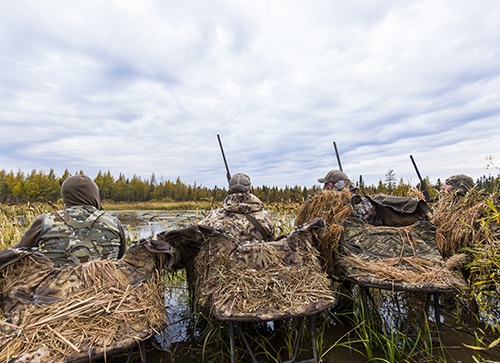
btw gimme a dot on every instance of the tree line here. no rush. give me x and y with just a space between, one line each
39 186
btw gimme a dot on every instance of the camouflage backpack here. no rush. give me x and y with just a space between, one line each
79 234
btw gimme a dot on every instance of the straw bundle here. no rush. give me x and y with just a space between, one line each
415 193
100 316
332 206
457 222
328 246
409 270
277 287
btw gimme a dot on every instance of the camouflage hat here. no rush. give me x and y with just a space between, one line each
239 183
334 176
461 182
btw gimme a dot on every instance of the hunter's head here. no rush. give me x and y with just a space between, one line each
460 183
240 183
80 190
331 178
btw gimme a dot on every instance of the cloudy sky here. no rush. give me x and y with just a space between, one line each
145 86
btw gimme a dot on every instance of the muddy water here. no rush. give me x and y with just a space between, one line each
191 338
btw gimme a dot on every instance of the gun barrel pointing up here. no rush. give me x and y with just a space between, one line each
423 187
228 174
338 156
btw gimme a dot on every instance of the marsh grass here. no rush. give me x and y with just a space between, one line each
186 205
456 221
485 281
392 336
284 215
270 342
16 218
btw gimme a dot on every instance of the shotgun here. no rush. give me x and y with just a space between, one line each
228 174
338 157
423 188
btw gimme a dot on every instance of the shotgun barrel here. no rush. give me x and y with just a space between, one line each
423 188
338 156
228 174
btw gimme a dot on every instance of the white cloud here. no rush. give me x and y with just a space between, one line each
145 86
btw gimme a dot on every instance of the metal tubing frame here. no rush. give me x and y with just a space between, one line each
231 342
437 313
296 348
130 354
142 351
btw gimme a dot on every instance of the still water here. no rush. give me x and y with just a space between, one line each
147 223
192 338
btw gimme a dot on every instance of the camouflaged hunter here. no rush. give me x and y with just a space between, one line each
361 206
79 233
460 183
242 215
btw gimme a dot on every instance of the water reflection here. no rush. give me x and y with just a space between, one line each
148 223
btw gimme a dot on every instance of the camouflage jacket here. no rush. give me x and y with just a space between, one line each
231 218
363 208
79 234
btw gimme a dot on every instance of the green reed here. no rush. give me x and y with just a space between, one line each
384 336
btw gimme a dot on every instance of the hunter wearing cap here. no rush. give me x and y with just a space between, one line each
242 215
80 232
336 180
460 183
361 207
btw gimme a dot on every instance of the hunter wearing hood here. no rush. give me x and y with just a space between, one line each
80 232
242 215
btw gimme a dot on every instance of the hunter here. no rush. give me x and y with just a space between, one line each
362 207
460 184
242 215
78 233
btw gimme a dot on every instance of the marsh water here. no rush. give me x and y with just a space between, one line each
191 337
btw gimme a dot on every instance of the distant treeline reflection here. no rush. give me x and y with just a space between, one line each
39 186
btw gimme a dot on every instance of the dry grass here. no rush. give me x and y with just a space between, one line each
104 313
457 222
328 246
186 205
332 206
405 269
415 193
277 286
16 218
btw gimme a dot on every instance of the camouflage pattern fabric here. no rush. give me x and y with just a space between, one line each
363 208
346 183
31 281
232 220
284 257
79 234
290 249
373 244
461 183
187 241
389 242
